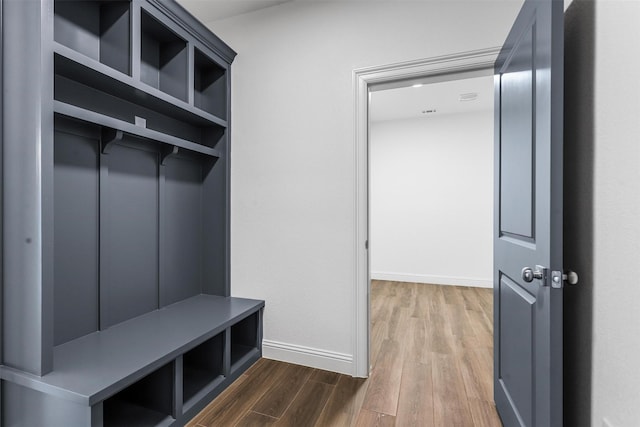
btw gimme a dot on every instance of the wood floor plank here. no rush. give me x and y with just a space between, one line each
416 347
379 332
485 300
326 377
450 405
344 404
452 295
307 406
484 414
396 326
384 387
229 391
233 406
368 418
439 337
475 366
424 294
470 299
415 403
280 396
253 419
482 328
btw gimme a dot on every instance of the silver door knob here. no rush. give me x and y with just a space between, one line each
528 274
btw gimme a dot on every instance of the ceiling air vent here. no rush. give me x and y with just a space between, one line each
471 96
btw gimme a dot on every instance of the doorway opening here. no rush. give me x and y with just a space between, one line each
431 149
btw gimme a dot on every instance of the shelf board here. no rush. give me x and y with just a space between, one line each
90 72
94 367
78 113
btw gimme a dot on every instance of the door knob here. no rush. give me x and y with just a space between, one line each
528 274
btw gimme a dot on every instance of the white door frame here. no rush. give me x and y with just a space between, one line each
431 68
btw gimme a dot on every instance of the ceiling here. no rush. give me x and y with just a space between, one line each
213 10
414 102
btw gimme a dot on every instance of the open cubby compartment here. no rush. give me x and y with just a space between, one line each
164 58
244 339
210 85
189 128
147 402
203 369
98 29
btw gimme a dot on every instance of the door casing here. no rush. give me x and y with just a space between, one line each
440 68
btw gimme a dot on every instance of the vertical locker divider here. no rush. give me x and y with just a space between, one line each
162 254
178 381
103 250
136 40
190 73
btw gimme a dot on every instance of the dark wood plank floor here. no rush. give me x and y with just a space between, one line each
431 349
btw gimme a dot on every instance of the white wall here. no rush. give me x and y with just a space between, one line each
602 314
293 166
431 199
616 346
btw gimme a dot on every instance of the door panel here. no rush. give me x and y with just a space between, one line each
528 218
517 177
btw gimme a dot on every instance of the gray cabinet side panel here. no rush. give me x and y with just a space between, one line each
26 407
75 236
183 231
132 206
27 179
216 227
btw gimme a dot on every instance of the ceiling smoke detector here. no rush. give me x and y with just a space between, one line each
471 96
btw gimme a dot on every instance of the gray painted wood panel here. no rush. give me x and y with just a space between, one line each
132 206
517 157
76 236
184 230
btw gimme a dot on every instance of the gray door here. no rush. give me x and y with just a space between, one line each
528 219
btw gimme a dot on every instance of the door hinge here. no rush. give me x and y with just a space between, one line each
366 244
558 278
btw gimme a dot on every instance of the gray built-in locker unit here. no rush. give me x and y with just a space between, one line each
116 307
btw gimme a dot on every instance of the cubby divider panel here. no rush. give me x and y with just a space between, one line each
244 338
210 85
76 209
202 369
164 58
98 29
147 402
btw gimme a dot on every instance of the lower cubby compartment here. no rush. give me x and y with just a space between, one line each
146 403
244 339
202 369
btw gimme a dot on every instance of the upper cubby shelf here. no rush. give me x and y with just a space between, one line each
100 30
210 85
164 58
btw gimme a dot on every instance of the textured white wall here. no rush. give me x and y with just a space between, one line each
293 166
616 299
431 199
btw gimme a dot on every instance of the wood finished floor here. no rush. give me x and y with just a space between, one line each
431 349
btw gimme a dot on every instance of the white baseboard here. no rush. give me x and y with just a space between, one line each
307 356
435 280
